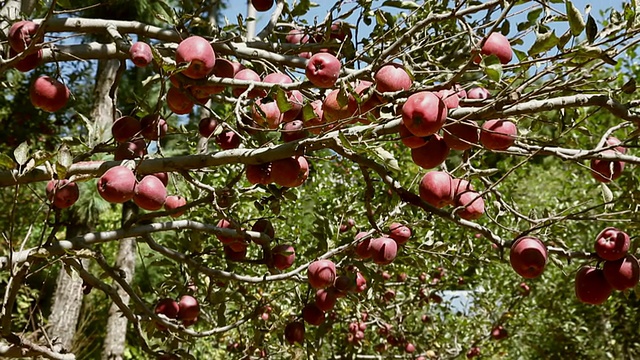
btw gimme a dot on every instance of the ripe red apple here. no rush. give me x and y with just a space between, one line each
343 285
528 257
293 130
460 186
140 53
623 273
163 176
62 193
410 348
265 226
196 51
436 188
368 104
478 93
473 352
266 113
153 127
333 110
290 172
362 248
262 5
321 273
432 154
207 127
612 244
124 128
592 286
498 134
21 34
499 333
29 62
235 252
130 150
312 314
391 78
323 70
410 140
361 282
297 36
284 256
399 232
424 113
462 135
117 184
473 205
173 202
228 139
259 174
178 101
189 308
222 68
383 250
226 240
449 97
248 75
606 170
167 307
150 193
326 299
498 45
294 332
48 94
296 100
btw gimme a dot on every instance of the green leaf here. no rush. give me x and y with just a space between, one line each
592 29
284 104
494 72
544 42
302 7
576 22
21 153
308 113
6 162
607 195
409 5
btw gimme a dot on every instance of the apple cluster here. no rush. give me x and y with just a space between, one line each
439 189
187 310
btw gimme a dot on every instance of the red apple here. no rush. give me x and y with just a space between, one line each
153 127
449 97
163 176
222 68
140 53
290 172
528 257
178 101
150 193
362 248
196 51
167 307
259 174
228 139
498 45
400 233
473 205
478 93
383 250
130 150
623 273
62 193
333 110
21 34
29 62
436 188
297 36
266 227
499 333
391 78
312 314
248 75
293 130
173 202
591 286
424 113
48 94
117 184
498 134
343 285
326 299
284 256
124 128
266 113
612 244
207 127
432 154
321 273
460 186
361 282
410 140
367 104
262 5
294 332
473 352
606 170
235 252
462 135
323 70
189 308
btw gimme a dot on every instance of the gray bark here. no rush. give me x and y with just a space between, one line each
102 113
115 341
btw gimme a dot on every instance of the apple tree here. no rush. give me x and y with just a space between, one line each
285 179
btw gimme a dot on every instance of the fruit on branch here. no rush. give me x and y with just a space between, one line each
424 113
228 139
462 135
262 5
499 333
498 134
178 101
259 174
196 51
117 184
62 193
323 70
368 103
392 78
410 348
189 308
264 226
321 273
525 290
478 93
290 172
284 256
473 352
222 68
293 130
612 244
297 36
163 176
340 31
334 109
623 273
173 202
410 140
296 100
473 205
361 282
498 45
21 34
608 170
362 248
614 141
326 299
528 257
153 127
383 250
130 150
167 307
248 75
432 154
48 94
591 286
314 124
266 113
140 53
436 188
29 62
207 126
225 224
150 193
312 314
294 332
460 186
235 253
399 232
124 128
343 285
449 97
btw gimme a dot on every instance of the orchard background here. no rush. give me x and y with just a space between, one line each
337 160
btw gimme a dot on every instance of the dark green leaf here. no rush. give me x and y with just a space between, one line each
6 162
544 42
576 22
284 104
592 29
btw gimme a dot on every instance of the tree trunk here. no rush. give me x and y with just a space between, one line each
114 342
102 113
